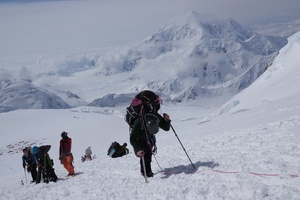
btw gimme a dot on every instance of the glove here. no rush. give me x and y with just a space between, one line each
166 117
140 153
24 166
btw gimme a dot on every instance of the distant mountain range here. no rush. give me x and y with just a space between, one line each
23 95
282 29
193 56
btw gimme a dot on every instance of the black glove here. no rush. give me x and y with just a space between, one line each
24 166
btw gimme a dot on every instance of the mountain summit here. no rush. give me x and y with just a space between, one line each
201 55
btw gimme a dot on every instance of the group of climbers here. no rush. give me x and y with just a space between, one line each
144 122
40 165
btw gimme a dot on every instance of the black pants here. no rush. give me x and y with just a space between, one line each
147 156
33 173
39 174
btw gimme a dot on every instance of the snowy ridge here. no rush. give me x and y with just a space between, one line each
285 65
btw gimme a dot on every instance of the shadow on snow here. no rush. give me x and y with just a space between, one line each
189 169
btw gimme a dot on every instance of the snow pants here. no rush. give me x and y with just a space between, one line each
67 162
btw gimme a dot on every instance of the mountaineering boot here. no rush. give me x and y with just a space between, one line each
148 174
71 175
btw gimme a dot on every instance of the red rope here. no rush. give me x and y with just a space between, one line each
158 163
235 172
258 174
224 172
253 173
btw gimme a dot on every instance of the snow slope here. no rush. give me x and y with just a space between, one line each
247 149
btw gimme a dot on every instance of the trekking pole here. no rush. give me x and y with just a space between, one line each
182 146
144 167
25 176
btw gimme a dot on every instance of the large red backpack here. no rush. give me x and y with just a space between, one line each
144 102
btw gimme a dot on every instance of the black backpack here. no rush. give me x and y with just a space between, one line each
116 150
144 102
113 148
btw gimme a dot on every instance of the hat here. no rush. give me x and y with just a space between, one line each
35 149
64 135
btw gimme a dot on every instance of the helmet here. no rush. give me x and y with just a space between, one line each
152 123
35 149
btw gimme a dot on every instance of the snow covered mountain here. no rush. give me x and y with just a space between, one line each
191 57
273 88
24 95
203 56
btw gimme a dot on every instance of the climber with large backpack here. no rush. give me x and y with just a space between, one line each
144 122
44 163
144 102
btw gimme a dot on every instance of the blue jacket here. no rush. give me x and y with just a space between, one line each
29 160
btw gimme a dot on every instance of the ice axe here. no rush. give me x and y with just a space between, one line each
25 176
144 168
